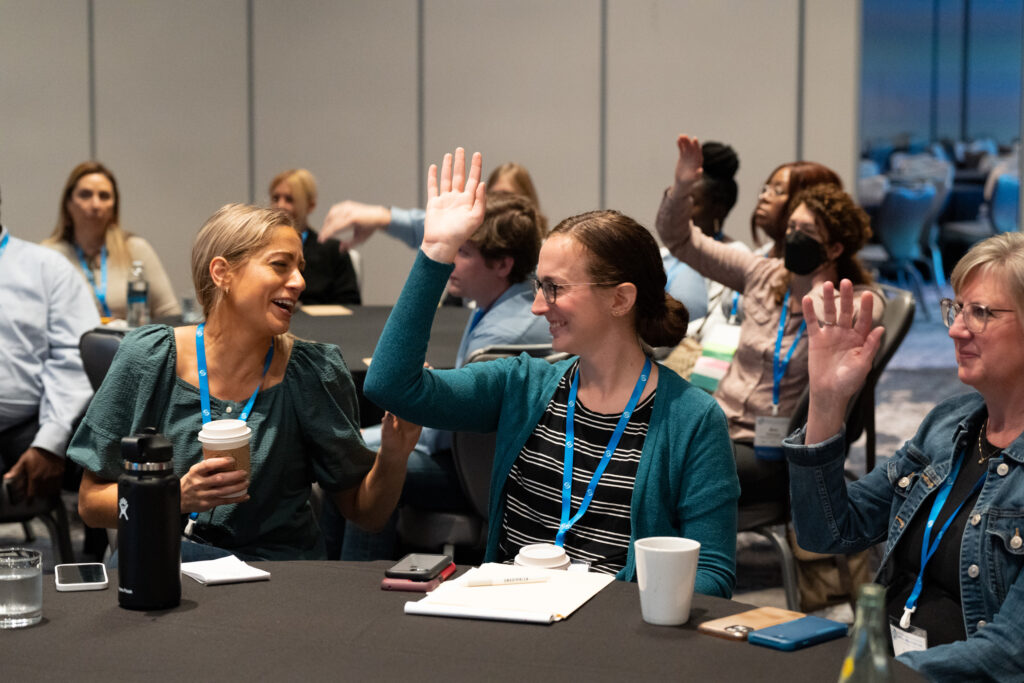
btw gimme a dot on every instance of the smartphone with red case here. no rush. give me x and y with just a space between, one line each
393 584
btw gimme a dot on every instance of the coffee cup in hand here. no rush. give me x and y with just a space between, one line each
227 439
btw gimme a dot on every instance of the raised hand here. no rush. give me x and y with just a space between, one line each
455 206
840 353
673 224
689 165
361 219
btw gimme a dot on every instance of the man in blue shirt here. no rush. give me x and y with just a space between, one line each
43 388
492 269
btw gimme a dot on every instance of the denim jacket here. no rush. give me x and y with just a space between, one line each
832 517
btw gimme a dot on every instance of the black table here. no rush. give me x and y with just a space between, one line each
330 620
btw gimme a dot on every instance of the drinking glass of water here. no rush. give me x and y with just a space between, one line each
21 587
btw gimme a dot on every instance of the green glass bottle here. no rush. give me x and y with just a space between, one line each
868 658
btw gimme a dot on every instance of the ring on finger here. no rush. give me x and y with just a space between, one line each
826 323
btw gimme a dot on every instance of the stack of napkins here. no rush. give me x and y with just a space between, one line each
228 569
554 598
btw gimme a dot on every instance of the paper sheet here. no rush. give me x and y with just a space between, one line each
325 309
228 569
553 600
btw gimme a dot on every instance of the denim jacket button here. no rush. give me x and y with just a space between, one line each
1016 542
973 571
1003 469
981 623
975 519
904 482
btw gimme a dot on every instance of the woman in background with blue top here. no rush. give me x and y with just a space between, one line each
296 396
636 449
949 505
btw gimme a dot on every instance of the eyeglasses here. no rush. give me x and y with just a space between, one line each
976 316
772 191
551 289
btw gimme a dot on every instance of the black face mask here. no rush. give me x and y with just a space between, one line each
803 253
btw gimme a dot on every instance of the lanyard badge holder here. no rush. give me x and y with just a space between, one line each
907 638
770 430
99 290
566 523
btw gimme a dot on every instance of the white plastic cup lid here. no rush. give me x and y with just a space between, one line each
542 555
224 431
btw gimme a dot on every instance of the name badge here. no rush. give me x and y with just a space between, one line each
769 431
910 639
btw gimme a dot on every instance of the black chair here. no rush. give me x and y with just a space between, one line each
473 454
98 347
768 519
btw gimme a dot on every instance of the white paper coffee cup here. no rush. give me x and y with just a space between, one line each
666 568
542 555
227 438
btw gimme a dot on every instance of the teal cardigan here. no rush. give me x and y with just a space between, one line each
686 482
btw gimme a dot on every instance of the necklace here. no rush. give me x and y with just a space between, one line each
982 455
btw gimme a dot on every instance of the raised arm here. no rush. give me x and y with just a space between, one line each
361 219
839 356
685 240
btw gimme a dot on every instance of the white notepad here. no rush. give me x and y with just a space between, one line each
319 310
228 569
553 600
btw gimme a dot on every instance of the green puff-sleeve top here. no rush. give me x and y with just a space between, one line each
304 429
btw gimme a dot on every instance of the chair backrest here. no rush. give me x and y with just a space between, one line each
902 219
473 453
1005 203
98 347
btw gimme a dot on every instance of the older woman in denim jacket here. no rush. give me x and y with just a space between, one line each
952 498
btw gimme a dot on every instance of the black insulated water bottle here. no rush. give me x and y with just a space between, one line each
148 524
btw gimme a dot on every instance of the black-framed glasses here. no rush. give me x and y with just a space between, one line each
551 289
976 316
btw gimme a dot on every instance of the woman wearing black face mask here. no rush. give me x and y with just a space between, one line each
768 373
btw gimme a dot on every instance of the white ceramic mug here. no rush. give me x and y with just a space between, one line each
666 567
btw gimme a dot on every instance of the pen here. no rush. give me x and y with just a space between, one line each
504 581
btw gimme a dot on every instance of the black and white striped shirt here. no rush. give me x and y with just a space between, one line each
533 492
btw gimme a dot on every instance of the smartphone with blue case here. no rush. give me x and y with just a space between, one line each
798 633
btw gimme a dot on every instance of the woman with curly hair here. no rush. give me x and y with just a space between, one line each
768 373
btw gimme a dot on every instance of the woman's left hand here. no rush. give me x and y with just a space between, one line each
397 437
455 207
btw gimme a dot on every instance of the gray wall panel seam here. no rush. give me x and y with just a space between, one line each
91 49
250 98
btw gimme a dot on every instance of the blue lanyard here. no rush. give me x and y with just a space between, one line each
3 242
204 380
735 307
779 366
101 290
305 234
613 443
475 320
928 548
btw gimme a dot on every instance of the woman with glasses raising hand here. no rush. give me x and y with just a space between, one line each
595 451
950 503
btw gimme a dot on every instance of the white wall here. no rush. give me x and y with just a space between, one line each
335 89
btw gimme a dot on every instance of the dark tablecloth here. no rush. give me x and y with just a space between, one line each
330 620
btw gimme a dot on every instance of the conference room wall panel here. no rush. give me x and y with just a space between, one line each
520 82
696 68
831 62
44 109
335 91
171 116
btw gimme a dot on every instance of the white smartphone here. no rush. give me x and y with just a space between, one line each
84 576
